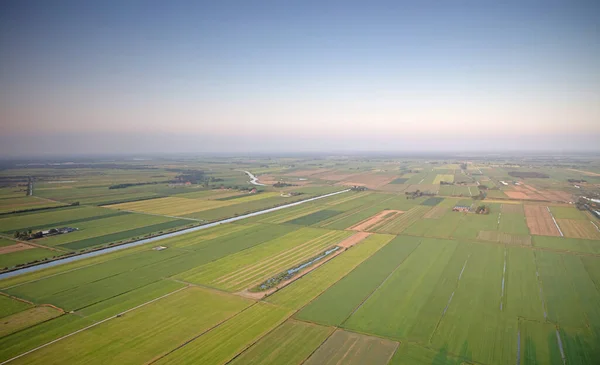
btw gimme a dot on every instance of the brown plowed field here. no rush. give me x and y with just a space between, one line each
576 228
436 212
372 181
511 208
379 218
516 195
539 221
307 172
335 176
14 248
530 193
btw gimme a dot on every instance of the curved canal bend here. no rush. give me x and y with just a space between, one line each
157 238
253 179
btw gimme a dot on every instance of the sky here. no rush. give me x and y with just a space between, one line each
86 77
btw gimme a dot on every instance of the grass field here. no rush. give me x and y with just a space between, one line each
27 318
300 292
251 266
10 306
222 343
403 221
172 206
291 343
179 316
353 348
336 304
443 177
16 204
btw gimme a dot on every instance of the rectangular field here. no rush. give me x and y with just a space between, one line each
314 218
576 228
507 238
410 302
539 221
402 222
336 304
27 318
300 292
224 342
134 338
172 206
291 343
250 267
353 348
443 177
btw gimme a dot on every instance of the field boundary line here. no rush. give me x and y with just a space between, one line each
380 284
503 280
152 361
595 226
540 286
156 214
335 329
555 223
90 326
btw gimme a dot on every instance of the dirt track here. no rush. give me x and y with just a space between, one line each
539 221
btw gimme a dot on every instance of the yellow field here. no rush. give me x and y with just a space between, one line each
172 205
443 177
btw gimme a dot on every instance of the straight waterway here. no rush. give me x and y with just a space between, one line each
157 238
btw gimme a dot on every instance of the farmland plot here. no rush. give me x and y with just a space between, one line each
576 228
10 306
172 206
242 270
411 354
400 223
338 302
538 343
302 291
52 219
408 305
567 244
443 177
353 348
27 318
314 218
561 300
522 297
145 333
442 227
539 221
475 309
513 223
224 342
291 343
45 332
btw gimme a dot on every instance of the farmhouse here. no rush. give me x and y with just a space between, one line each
504 183
461 208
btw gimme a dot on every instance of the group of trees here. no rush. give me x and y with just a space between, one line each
482 209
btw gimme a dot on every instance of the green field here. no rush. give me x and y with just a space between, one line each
291 343
428 286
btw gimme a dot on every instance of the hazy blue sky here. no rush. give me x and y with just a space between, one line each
191 76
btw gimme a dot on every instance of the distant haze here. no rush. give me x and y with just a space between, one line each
222 76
